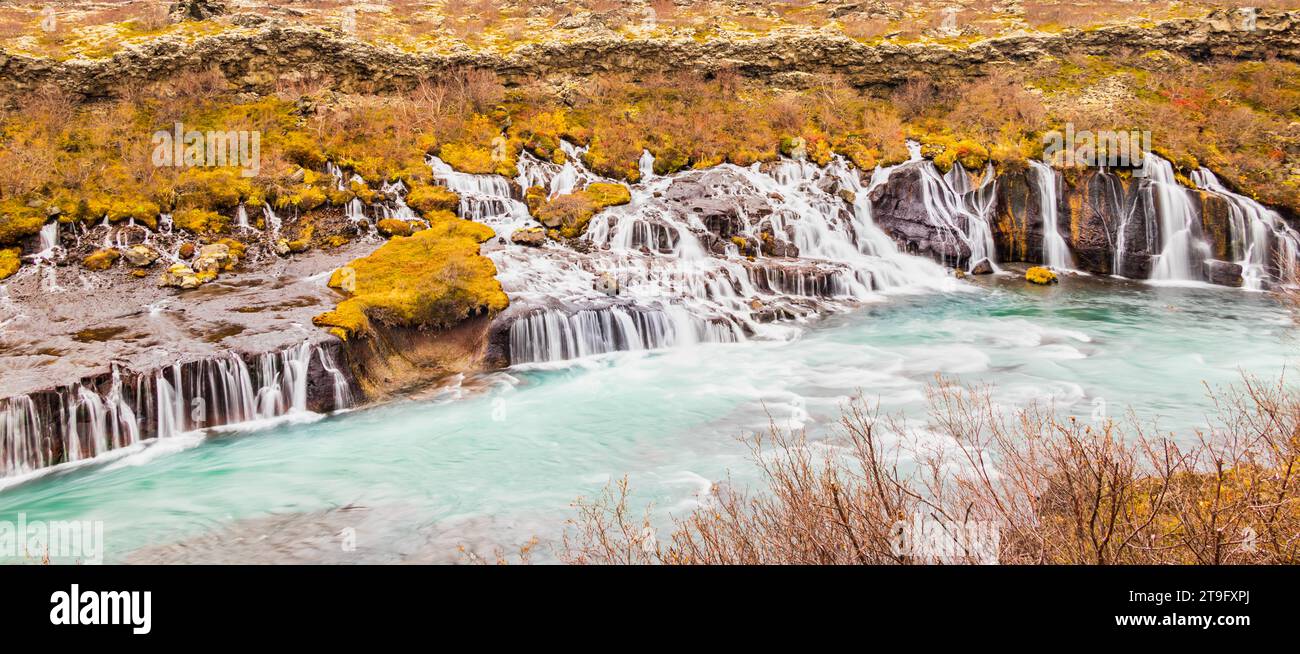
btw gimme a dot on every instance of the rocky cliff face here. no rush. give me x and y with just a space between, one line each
264 51
1110 222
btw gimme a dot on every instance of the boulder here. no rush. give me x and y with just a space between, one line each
101 259
195 10
607 284
1041 276
140 256
899 209
984 267
393 227
182 276
530 236
1223 273
214 258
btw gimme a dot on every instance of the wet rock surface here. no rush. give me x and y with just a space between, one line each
899 208
147 327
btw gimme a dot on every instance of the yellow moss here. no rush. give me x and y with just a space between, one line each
535 198
303 242
305 198
101 259
432 279
237 248
481 149
970 154
200 221
302 150
604 194
427 199
212 188
339 197
18 222
10 260
393 227
1040 275
571 213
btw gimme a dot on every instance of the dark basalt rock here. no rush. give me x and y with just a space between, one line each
1223 273
898 208
195 10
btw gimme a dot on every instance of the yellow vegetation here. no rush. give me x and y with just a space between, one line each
101 259
394 227
9 261
571 213
427 199
1040 275
432 279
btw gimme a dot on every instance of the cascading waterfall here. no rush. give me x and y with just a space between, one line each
241 218
483 198
1056 251
552 336
675 280
272 221
51 253
1183 252
961 210
1264 245
88 419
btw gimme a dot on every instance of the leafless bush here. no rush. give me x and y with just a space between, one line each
1057 489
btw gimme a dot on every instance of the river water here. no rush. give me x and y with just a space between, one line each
498 459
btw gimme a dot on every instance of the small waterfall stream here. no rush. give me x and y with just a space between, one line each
962 210
1183 251
88 419
1056 252
1263 244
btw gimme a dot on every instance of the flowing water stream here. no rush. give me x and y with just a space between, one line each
502 463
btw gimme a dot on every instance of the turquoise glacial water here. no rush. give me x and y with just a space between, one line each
499 459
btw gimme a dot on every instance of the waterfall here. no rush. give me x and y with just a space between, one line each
656 273
272 221
1183 252
241 218
483 198
1263 244
646 165
555 336
960 210
1056 252
87 419
48 256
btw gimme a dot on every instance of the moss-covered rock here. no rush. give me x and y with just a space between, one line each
393 227
101 259
215 258
530 236
432 279
201 221
571 213
19 222
427 199
1041 276
140 256
182 276
10 260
